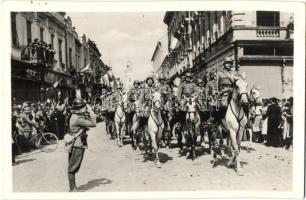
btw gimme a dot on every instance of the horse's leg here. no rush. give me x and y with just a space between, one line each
239 139
117 132
120 134
251 137
233 138
195 134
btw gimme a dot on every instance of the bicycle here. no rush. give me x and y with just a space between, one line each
46 141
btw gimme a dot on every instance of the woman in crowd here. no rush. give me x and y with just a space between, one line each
287 128
264 121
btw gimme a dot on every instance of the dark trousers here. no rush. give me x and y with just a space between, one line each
74 163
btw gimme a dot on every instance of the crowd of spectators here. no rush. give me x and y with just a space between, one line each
272 122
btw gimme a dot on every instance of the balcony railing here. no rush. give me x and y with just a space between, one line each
267 33
39 53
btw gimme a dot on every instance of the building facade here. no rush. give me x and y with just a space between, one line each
160 56
260 43
45 51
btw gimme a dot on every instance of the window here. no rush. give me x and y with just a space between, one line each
84 62
52 41
41 34
267 18
14 29
76 61
60 50
70 57
29 32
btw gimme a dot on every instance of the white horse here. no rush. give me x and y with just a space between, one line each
235 119
120 118
156 124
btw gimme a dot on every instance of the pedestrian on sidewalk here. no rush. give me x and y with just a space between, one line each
82 117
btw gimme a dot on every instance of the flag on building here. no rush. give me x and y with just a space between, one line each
56 83
86 69
173 42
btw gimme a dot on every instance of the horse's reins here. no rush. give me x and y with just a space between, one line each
122 108
155 121
238 102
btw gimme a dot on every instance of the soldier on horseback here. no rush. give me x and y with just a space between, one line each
225 83
212 89
186 89
165 91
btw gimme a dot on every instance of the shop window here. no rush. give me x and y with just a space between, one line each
267 18
29 32
70 57
60 50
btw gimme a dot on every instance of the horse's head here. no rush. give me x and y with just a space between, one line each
240 91
255 95
191 103
156 100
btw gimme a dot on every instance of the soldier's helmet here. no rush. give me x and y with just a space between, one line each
228 60
199 81
150 78
136 82
78 104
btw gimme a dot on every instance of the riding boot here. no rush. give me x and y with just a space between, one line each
72 185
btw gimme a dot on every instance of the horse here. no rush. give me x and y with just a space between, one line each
120 119
174 119
235 120
192 124
156 124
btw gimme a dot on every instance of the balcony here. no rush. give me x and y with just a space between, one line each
259 33
267 33
38 53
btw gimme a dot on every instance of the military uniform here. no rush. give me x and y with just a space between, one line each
145 98
212 90
225 86
186 89
79 122
202 100
132 96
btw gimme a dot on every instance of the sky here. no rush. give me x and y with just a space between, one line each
123 37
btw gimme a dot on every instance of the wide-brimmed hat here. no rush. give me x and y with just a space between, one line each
78 104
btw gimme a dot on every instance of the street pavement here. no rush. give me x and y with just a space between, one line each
107 167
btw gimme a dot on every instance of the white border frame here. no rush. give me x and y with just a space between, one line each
78 6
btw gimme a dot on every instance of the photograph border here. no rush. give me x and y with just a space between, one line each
298 8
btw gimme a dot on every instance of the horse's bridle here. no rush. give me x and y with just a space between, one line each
191 112
239 95
122 108
156 109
